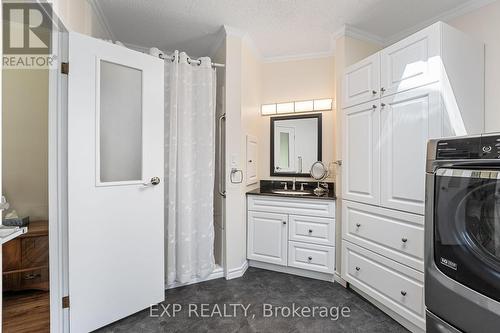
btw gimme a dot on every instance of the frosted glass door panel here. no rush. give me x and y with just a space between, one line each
120 123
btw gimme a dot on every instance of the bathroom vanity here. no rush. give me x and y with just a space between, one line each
291 231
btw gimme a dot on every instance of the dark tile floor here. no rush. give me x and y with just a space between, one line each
256 288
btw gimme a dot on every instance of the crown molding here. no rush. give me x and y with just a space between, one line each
249 42
351 31
220 39
463 9
298 57
96 7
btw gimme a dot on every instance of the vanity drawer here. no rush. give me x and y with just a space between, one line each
398 287
297 206
311 229
394 234
311 257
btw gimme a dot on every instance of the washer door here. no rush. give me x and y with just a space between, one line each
467 228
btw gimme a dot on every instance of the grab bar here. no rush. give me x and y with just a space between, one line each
222 191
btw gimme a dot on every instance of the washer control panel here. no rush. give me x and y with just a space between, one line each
484 147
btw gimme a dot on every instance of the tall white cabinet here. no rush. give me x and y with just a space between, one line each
428 85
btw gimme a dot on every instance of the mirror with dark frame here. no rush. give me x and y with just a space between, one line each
295 144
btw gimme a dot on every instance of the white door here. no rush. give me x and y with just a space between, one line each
284 149
115 212
408 121
361 82
412 62
361 153
267 237
252 166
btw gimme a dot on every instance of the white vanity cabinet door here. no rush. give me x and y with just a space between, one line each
408 121
360 153
412 62
361 82
267 237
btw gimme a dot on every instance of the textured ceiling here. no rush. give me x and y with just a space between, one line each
277 27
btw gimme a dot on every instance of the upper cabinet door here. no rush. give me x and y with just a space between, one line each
412 62
360 153
361 82
408 121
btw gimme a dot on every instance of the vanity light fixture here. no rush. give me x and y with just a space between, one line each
324 104
285 107
304 106
268 109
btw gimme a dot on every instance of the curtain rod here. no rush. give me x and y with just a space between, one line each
189 60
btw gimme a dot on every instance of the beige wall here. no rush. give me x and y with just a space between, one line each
24 141
25 121
294 81
79 16
484 25
235 222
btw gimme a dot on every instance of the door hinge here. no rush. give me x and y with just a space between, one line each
65 68
65 302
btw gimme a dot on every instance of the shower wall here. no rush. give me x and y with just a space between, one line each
219 202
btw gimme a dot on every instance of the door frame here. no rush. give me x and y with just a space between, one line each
57 182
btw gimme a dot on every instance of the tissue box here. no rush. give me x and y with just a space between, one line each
16 222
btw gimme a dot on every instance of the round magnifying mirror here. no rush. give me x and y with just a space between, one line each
319 171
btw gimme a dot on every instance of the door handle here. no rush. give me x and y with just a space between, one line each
153 181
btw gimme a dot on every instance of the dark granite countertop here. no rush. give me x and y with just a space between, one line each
267 187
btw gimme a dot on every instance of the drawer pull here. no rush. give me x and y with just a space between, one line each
357 268
358 225
310 231
404 239
284 222
403 292
309 258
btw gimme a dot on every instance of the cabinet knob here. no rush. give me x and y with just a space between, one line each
358 225
374 92
309 258
284 222
382 105
374 106
357 268
382 90
404 239
310 231
403 292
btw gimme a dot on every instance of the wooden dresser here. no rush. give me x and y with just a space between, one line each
26 259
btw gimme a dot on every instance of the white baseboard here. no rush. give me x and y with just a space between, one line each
292 270
235 273
216 274
340 280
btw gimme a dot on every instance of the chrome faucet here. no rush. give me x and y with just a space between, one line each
286 185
